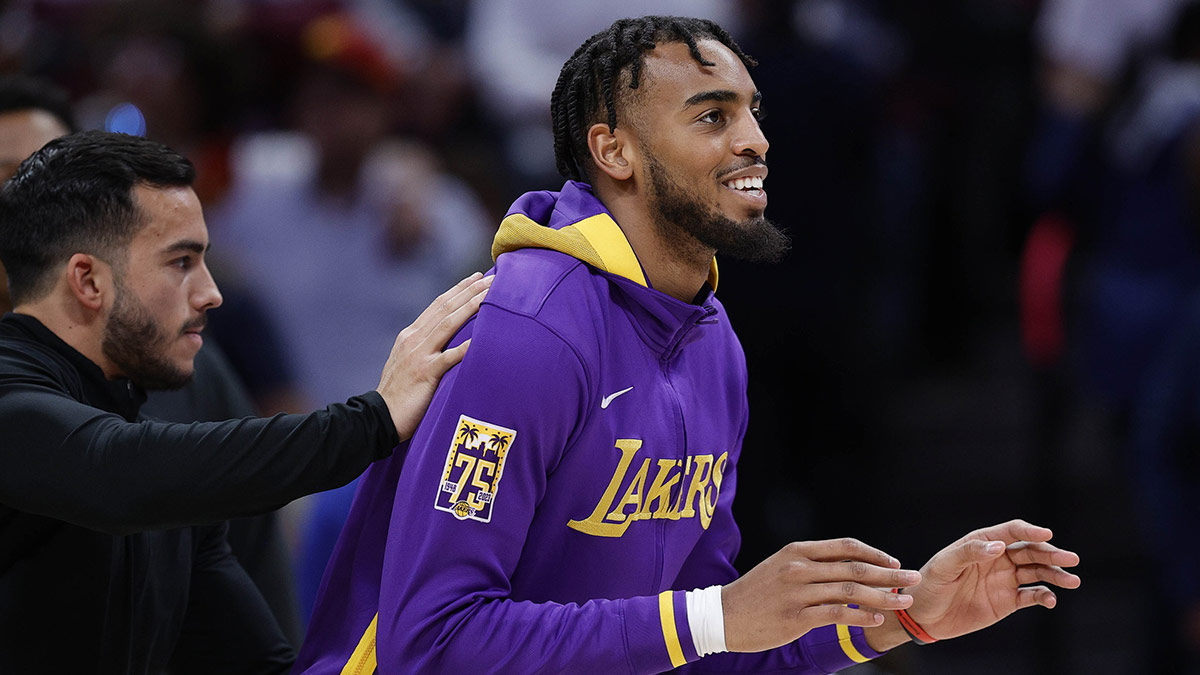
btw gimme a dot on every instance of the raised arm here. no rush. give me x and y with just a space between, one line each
73 462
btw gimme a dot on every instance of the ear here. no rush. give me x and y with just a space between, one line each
89 279
612 151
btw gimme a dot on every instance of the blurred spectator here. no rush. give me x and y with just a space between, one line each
1085 47
340 227
1158 141
1117 153
331 219
1165 441
32 114
1085 51
1142 255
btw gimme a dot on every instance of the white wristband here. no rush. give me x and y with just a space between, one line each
706 620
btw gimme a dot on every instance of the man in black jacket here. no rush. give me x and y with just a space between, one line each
34 112
108 562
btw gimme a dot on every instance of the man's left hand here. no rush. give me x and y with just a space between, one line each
982 578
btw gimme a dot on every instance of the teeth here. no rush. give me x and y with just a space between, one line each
751 183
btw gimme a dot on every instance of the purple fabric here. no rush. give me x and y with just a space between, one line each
509 574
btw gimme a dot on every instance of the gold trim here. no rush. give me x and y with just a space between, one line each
666 612
845 642
362 661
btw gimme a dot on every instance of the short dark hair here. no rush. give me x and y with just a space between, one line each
591 76
75 195
21 92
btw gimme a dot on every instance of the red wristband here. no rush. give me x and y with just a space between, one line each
911 627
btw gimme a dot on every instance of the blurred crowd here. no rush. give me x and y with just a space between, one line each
948 170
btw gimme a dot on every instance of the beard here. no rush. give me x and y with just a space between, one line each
680 216
138 345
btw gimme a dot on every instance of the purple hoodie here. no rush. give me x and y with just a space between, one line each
572 479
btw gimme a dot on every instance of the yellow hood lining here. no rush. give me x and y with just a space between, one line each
596 240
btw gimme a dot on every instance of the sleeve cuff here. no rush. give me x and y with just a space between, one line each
833 648
677 634
373 400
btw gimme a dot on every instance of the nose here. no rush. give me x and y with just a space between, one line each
206 295
750 139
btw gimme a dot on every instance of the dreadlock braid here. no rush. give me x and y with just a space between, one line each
591 77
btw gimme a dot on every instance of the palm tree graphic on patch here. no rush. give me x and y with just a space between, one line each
474 465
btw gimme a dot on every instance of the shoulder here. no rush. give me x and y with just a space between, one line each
26 361
536 317
559 292
527 279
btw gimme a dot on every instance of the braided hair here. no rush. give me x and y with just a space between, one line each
591 77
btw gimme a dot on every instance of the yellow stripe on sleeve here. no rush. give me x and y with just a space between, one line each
362 661
843 633
666 612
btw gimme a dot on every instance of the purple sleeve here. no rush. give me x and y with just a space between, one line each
826 649
444 602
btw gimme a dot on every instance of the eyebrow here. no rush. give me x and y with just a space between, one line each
720 96
188 245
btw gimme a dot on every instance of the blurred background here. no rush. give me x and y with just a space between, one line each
991 308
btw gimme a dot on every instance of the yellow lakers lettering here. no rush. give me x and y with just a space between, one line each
654 490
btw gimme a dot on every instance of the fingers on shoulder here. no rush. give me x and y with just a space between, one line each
451 357
452 299
456 317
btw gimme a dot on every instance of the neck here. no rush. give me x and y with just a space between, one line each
677 266
78 327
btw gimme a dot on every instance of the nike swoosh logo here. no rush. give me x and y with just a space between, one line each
609 399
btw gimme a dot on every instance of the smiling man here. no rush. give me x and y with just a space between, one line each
566 503
110 541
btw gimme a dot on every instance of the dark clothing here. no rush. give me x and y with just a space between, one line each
214 394
92 578
252 342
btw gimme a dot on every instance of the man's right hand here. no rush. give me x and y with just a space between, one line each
808 584
417 362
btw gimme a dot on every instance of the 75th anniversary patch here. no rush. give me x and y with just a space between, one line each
474 465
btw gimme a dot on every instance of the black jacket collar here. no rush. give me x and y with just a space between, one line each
119 396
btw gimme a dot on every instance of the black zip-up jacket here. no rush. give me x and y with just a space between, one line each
112 551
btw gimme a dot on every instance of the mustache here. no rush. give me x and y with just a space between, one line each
195 325
748 162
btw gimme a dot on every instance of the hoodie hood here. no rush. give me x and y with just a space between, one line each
574 222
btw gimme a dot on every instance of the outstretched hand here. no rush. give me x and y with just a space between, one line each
982 578
810 584
417 361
